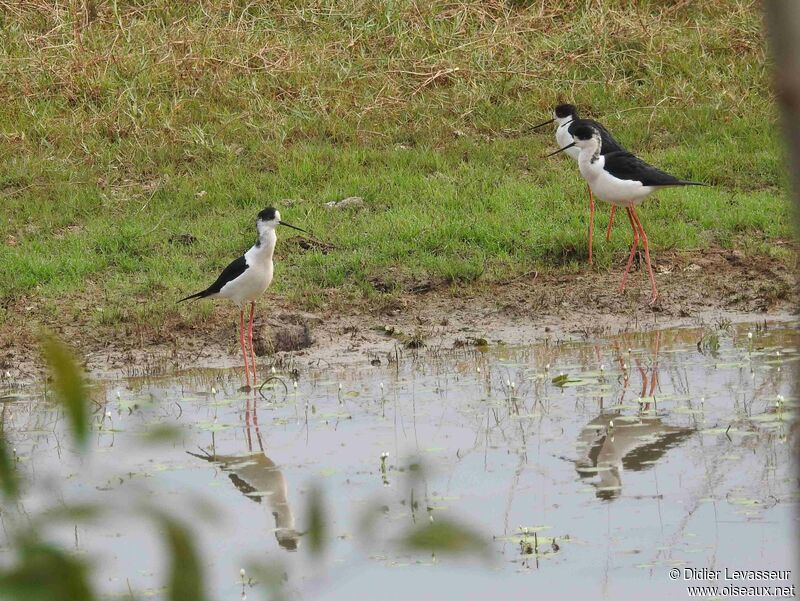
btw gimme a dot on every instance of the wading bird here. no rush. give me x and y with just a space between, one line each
257 476
247 278
566 117
622 179
612 443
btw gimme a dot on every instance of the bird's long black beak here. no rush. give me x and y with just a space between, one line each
294 227
542 124
560 150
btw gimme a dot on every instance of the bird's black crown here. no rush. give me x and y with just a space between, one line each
566 110
583 132
267 214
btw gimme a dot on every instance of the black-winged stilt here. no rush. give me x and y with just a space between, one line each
247 278
622 179
565 116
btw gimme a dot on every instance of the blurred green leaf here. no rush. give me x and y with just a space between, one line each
160 433
445 536
316 520
560 380
69 385
83 512
8 473
45 573
269 577
185 572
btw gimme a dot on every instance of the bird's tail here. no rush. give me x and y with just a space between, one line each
201 294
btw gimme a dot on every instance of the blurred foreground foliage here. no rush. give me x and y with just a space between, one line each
39 570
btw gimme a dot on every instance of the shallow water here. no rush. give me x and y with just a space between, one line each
634 454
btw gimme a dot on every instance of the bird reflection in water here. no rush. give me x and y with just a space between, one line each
612 443
259 479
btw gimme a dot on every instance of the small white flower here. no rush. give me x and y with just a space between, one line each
340 385
294 383
242 572
749 335
512 385
272 369
602 367
108 414
780 399
381 385
213 390
547 367
479 369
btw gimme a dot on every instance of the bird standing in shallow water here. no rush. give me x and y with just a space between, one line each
247 278
566 118
622 179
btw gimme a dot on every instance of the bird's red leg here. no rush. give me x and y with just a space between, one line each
250 337
654 289
610 221
255 424
247 423
244 351
591 222
654 379
634 246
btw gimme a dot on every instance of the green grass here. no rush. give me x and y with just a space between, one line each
127 124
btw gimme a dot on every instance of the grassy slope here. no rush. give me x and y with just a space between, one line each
129 123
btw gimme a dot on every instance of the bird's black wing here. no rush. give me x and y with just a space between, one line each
624 165
609 143
231 272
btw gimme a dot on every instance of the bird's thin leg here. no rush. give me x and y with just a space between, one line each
247 423
634 246
255 424
643 373
610 221
654 378
654 289
250 337
591 222
244 350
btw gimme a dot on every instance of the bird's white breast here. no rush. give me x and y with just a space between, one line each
257 277
250 285
620 192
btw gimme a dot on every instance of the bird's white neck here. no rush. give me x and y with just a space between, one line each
590 162
264 247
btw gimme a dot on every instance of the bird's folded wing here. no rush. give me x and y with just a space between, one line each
231 272
624 165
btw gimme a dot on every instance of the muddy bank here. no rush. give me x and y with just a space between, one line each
708 287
